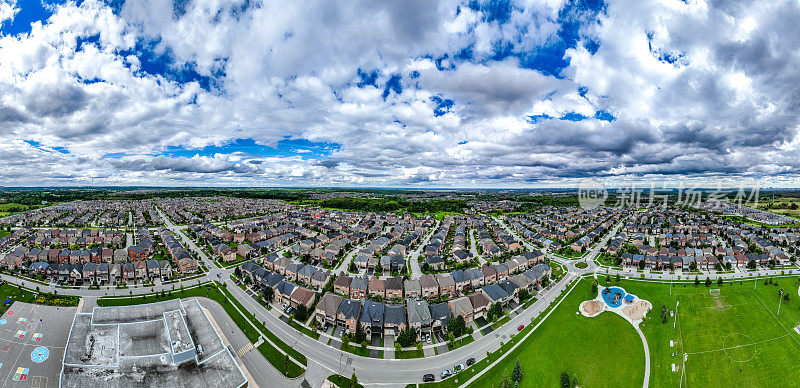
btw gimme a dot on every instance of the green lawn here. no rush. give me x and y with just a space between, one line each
500 322
740 342
407 354
342 382
464 341
13 294
588 348
355 349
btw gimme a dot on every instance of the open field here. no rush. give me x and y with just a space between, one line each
734 339
588 348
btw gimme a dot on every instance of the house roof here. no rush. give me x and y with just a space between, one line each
329 304
440 312
478 300
494 292
359 283
418 312
342 280
350 308
372 312
394 283
302 295
461 306
394 314
427 281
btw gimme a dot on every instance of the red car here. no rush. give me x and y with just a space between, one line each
520 327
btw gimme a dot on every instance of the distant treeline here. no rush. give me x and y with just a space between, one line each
393 204
35 197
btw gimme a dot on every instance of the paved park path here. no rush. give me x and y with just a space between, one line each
646 357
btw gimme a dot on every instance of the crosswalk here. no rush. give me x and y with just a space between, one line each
245 349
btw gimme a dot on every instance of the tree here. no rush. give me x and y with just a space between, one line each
301 313
516 375
719 281
457 326
708 281
238 272
594 287
786 297
268 293
693 266
664 313
696 281
354 380
524 294
565 380
407 337
359 335
617 278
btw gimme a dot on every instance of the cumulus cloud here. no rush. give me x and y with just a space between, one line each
446 93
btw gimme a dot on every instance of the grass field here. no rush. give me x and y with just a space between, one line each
13 294
734 340
588 348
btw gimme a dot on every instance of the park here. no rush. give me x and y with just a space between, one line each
699 335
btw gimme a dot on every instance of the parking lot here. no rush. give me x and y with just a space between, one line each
32 342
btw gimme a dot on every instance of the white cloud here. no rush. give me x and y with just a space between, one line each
727 105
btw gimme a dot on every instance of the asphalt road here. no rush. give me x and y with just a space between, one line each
258 367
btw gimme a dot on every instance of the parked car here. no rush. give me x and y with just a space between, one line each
458 368
446 373
428 377
470 361
520 327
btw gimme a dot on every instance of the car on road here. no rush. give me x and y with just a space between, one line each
446 373
428 377
458 368
520 327
470 361
219 275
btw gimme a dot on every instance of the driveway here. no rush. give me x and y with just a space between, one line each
376 341
439 338
481 322
388 342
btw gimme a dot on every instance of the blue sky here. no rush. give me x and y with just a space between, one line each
412 94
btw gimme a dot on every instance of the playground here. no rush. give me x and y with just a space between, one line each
616 300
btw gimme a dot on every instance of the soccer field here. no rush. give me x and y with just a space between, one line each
733 338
